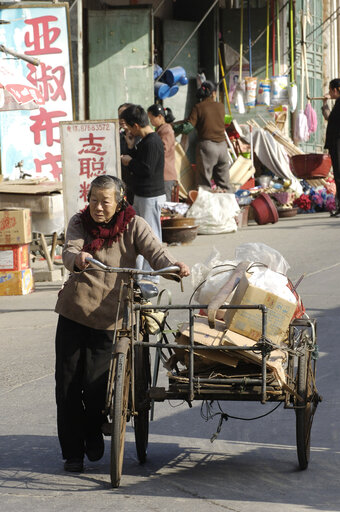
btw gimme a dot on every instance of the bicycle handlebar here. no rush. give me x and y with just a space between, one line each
166 270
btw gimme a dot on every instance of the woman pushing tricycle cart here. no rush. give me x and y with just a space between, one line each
108 327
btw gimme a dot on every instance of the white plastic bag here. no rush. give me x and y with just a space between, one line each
272 282
238 97
262 253
214 213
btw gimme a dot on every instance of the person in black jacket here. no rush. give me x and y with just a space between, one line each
127 143
146 165
333 135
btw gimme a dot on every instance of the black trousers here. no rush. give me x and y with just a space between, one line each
335 156
82 363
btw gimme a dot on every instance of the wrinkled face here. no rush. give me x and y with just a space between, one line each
103 204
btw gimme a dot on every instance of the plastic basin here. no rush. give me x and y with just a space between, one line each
265 211
310 166
179 234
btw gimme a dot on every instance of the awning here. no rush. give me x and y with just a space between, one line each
16 92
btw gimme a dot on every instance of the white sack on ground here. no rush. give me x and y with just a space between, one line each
273 156
214 212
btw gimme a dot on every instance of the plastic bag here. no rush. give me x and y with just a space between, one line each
279 89
272 282
262 253
209 277
214 213
263 94
292 96
312 120
238 97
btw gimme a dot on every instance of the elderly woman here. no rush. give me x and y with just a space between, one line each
110 231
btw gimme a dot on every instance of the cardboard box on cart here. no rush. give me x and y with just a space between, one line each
248 322
204 335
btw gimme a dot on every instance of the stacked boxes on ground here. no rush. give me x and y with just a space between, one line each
15 236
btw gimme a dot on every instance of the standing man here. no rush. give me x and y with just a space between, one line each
127 143
146 166
333 136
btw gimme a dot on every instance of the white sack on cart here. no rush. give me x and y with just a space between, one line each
214 213
209 277
272 282
258 252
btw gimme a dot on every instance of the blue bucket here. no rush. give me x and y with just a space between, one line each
173 75
162 91
173 91
157 71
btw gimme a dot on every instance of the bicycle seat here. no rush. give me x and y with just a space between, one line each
147 289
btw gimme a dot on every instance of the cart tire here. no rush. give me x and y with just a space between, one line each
142 385
305 412
119 415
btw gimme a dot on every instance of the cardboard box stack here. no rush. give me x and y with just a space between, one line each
15 236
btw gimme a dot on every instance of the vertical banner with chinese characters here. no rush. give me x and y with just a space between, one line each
89 149
40 31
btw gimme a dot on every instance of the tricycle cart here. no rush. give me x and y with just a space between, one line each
132 386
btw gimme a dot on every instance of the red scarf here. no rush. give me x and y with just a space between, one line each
109 232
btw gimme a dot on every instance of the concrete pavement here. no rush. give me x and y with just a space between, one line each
252 465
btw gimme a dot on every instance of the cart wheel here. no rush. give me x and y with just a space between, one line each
305 412
119 415
142 385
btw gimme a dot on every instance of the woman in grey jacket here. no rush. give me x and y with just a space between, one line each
110 231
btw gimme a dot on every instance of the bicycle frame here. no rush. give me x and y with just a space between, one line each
128 332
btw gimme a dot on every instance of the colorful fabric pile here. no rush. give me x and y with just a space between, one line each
317 199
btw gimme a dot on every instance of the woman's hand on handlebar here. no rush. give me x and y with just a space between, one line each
80 260
184 269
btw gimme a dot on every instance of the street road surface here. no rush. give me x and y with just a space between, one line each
252 466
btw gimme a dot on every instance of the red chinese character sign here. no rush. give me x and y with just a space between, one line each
89 149
34 136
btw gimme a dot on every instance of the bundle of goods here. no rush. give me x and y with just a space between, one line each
257 276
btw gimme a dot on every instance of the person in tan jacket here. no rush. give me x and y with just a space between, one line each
160 119
108 230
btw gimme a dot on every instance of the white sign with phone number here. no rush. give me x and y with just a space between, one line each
89 149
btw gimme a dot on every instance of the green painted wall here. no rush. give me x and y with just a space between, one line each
120 60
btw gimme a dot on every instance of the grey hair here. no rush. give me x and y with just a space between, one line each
108 181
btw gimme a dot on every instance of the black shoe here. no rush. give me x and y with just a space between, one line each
94 447
74 465
335 213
